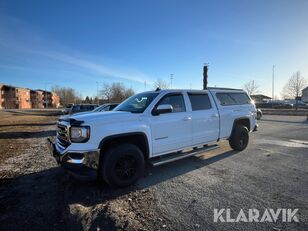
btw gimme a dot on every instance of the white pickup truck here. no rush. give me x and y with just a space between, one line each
152 127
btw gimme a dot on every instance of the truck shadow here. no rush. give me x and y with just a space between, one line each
48 198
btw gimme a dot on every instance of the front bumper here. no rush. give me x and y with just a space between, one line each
80 164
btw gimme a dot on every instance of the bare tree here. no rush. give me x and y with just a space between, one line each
128 92
251 87
294 86
67 95
161 84
116 92
106 92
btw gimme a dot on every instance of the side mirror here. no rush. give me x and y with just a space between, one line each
163 108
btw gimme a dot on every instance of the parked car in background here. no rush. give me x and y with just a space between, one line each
276 104
101 108
67 108
76 108
259 114
297 104
106 107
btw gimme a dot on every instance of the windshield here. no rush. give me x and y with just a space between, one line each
137 103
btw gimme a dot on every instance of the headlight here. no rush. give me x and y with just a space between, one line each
79 134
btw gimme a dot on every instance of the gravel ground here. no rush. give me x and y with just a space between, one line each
36 194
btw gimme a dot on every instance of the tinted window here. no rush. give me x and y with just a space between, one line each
87 107
200 101
240 98
111 107
83 108
177 102
232 98
76 108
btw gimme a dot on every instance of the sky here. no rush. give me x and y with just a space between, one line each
83 44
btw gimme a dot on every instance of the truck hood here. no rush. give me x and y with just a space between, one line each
66 117
107 116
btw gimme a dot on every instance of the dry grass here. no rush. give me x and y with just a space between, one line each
16 129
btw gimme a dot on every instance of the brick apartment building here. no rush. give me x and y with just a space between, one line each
23 98
55 100
37 99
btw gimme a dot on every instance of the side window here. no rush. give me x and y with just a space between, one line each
225 99
111 107
86 107
199 101
240 98
232 98
177 102
75 108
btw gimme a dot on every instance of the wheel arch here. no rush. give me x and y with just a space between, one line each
139 139
243 121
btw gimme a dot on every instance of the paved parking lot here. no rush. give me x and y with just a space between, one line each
271 173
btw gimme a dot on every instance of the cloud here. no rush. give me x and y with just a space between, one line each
93 66
18 37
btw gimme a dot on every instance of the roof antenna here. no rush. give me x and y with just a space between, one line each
157 89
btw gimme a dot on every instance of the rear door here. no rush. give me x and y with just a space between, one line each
205 118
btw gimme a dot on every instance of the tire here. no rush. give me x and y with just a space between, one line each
122 165
259 115
239 138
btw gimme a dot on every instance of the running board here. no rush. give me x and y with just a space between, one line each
177 156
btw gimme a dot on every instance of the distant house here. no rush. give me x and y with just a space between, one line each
260 98
305 95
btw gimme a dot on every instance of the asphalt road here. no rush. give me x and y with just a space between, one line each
272 172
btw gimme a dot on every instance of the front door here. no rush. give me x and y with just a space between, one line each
171 131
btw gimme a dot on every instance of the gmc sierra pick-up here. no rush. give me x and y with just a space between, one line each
152 127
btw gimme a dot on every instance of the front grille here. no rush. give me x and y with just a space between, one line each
62 135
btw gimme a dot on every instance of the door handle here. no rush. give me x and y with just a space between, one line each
214 116
187 118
